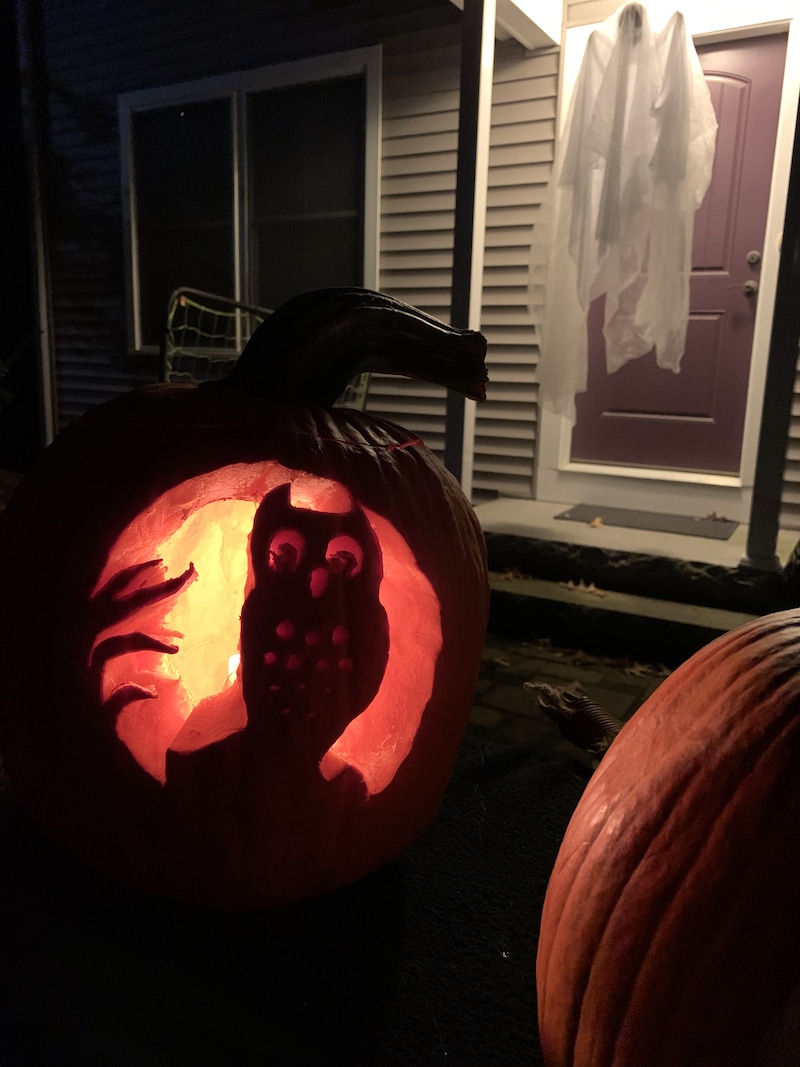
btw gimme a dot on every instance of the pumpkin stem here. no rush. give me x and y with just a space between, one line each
308 350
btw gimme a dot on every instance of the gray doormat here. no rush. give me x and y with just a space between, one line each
721 529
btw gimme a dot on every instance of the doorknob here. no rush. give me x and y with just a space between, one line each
749 288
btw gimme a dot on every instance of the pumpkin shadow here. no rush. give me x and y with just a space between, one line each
93 973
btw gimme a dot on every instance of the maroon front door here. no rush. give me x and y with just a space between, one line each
648 417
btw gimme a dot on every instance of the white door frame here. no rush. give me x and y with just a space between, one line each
677 492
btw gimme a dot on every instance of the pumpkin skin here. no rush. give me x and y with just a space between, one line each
670 933
238 800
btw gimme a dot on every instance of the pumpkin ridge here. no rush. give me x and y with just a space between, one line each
581 985
674 892
586 843
630 970
729 644
655 828
660 697
772 644
564 857
746 890
388 446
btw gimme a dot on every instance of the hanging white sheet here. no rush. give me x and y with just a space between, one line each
633 166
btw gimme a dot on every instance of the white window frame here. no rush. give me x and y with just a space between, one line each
366 61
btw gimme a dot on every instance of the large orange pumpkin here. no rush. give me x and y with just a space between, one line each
670 935
241 628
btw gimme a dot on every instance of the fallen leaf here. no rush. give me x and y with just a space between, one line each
597 521
505 576
493 660
717 518
582 587
582 657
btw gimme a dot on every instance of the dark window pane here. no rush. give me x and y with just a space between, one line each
183 170
306 153
293 257
307 147
199 257
183 163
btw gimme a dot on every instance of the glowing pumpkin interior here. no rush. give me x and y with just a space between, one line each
175 583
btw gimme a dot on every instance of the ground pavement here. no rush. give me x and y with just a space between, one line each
505 711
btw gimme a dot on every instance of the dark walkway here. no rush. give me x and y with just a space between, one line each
505 711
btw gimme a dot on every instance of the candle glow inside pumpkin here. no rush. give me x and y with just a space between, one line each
191 695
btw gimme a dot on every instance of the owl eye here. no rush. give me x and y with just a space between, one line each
344 556
286 550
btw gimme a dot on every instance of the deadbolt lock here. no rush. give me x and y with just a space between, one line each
753 258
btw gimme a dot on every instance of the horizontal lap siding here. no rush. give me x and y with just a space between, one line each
96 51
86 250
790 500
420 136
419 146
520 159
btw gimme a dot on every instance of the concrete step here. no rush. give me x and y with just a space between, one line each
730 588
604 622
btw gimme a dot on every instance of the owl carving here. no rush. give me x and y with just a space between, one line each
315 636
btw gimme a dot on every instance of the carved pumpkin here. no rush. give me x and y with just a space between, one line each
242 628
670 933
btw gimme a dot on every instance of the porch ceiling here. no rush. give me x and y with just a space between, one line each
515 19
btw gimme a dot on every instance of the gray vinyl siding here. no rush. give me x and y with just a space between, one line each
420 133
520 160
418 176
790 500
97 51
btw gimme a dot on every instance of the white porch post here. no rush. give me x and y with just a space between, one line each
762 537
477 68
